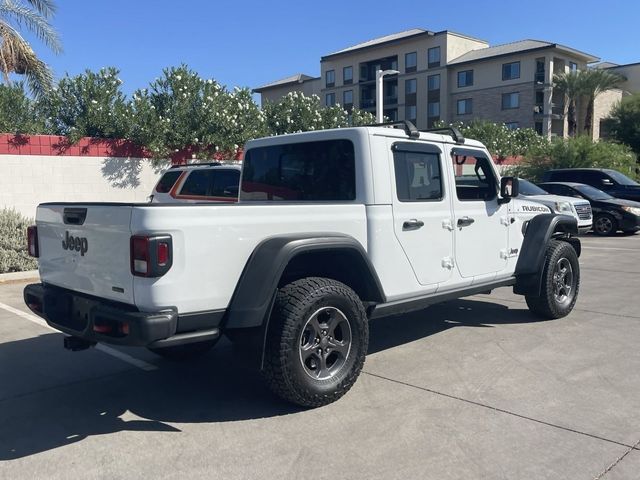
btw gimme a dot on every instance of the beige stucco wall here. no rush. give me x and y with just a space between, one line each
602 107
274 94
34 179
632 74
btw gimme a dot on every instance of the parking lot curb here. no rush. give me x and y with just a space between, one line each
18 276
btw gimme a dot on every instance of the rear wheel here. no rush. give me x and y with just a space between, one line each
186 351
560 282
316 342
605 224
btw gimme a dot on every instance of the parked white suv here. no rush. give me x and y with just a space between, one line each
198 182
332 229
577 208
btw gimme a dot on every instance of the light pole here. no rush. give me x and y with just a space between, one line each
380 92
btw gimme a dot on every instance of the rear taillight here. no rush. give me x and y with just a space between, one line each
32 241
151 256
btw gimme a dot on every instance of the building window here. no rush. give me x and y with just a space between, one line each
330 77
573 66
510 71
410 86
330 99
410 62
347 98
433 109
433 82
538 128
465 78
512 125
347 75
410 112
510 100
433 57
464 106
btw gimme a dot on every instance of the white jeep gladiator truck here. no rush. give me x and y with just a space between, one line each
332 229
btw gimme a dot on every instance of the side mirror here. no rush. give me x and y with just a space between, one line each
509 188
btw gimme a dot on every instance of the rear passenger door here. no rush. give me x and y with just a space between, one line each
422 211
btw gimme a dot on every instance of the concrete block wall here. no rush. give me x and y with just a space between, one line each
34 173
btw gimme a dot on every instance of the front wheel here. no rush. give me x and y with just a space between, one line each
316 341
605 224
560 282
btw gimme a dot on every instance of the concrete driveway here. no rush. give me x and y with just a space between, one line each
475 388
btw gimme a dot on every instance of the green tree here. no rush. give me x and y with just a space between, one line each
296 112
594 82
88 105
624 122
577 152
16 54
570 84
181 111
500 140
18 113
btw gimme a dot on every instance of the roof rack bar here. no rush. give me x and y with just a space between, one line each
197 164
409 127
454 132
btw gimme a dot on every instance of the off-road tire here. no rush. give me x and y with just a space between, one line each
187 351
547 304
285 371
605 225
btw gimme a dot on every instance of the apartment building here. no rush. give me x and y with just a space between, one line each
449 76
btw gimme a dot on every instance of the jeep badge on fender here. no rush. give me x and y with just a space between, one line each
79 244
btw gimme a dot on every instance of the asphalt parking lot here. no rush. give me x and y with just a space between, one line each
474 388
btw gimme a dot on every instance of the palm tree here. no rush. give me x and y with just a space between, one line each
570 84
594 82
16 55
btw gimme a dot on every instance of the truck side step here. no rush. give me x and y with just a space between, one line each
188 337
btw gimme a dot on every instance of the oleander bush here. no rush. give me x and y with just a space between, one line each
13 242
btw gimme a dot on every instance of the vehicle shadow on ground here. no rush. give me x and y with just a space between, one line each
223 386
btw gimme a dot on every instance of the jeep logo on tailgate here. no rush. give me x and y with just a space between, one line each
79 244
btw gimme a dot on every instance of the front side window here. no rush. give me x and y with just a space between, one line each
410 86
464 106
475 180
510 71
347 75
330 99
433 57
310 171
330 78
433 82
410 62
418 176
510 100
465 78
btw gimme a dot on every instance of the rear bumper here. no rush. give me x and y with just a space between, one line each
96 320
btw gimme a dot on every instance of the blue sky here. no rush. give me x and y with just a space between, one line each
249 43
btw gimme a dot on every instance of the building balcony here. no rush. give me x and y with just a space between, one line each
370 103
557 111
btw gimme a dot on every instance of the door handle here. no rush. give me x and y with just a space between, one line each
412 224
465 221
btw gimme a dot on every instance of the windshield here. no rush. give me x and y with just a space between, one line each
592 193
527 188
621 178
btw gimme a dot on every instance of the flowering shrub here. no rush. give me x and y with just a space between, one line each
18 113
13 242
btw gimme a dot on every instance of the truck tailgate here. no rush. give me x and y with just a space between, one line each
86 248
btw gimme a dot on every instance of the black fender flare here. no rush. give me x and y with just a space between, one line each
540 230
252 301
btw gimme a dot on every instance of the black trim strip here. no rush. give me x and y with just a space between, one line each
418 303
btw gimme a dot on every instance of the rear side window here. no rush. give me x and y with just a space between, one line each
225 183
167 181
197 183
311 171
418 176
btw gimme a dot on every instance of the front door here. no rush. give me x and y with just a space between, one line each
422 210
481 223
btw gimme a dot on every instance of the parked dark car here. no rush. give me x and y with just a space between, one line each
613 182
609 214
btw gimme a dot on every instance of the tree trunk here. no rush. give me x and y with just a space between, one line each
571 118
588 118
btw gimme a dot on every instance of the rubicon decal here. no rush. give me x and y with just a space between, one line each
530 208
79 244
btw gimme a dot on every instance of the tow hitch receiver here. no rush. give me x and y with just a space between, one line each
75 344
